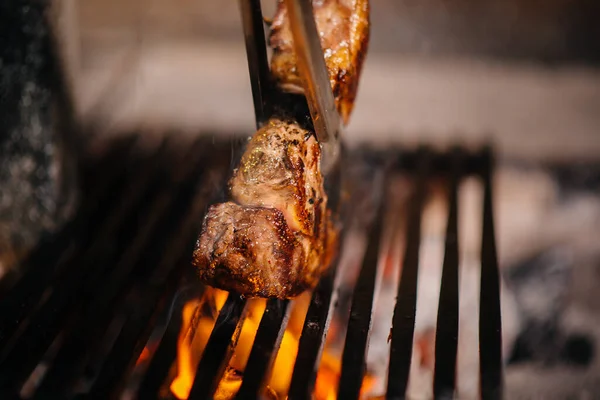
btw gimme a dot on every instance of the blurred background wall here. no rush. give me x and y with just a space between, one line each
520 72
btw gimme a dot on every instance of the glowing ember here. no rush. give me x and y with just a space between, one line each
144 356
197 326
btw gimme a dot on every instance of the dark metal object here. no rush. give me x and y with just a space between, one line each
490 323
313 71
22 354
123 259
361 316
44 262
312 340
403 323
91 296
218 349
158 369
311 66
256 52
266 344
72 283
101 310
446 336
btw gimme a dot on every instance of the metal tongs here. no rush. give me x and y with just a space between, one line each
311 66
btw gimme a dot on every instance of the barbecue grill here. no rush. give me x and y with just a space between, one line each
111 284
96 310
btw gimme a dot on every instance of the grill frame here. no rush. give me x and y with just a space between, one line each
146 300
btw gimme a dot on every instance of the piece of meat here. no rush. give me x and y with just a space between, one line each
280 169
251 250
279 238
343 27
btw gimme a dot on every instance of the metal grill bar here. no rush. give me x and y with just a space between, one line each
403 323
162 284
361 315
313 335
490 324
151 241
45 262
163 358
166 352
266 344
18 360
446 337
111 291
144 265
218 350
102 172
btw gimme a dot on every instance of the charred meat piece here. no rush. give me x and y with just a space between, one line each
252 250
277 236
280 169
343 27
280 238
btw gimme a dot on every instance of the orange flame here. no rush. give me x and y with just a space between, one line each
196 329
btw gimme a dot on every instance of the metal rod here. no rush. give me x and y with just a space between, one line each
130 342
264 350
167 349
315 78
490 322
218 349
99 312
164 219
67 298
163 358
33 332
47 260
313 334
403 322
446 336
361 315
256 52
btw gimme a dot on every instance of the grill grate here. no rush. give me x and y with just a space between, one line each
92 296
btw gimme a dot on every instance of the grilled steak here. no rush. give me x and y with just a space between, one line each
343 27
276 237
279 239
280 169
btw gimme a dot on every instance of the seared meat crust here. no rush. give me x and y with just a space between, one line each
343 27
276 237
280 169
250 250
280 238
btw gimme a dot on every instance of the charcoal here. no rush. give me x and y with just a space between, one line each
38 168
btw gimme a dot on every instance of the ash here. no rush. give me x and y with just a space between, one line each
546 230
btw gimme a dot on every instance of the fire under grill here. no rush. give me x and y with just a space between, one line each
97 311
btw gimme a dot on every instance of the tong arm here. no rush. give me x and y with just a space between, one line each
256 53
315 78
311 67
